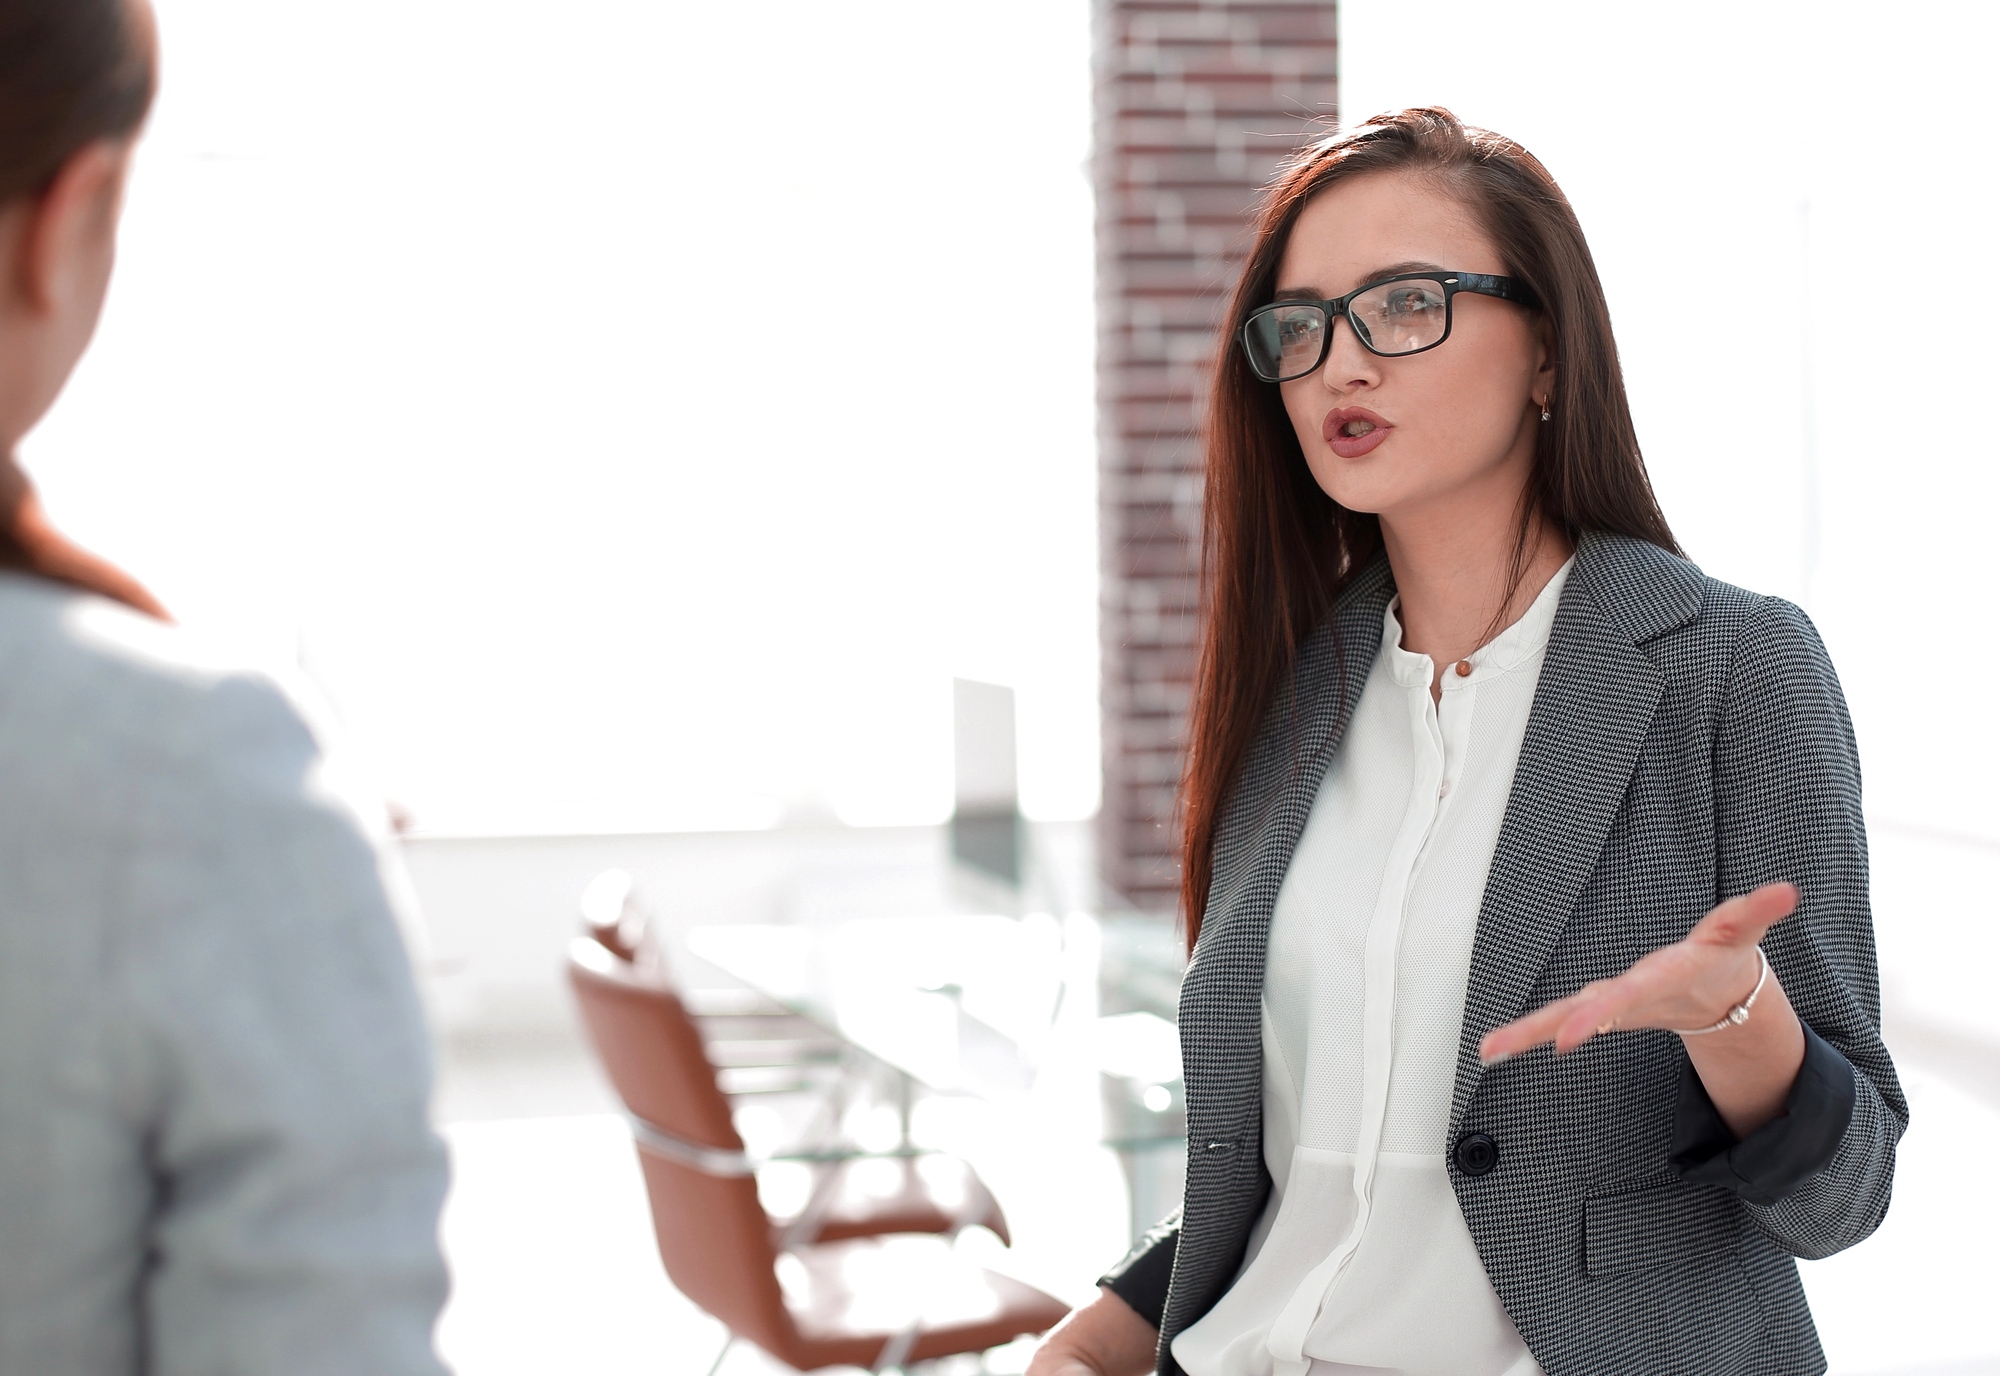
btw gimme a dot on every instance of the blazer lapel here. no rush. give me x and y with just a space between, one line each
1593 707
1220 1005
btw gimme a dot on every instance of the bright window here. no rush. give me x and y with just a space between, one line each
632 414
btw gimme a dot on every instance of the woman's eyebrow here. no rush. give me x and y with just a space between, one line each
1398 269
1373 275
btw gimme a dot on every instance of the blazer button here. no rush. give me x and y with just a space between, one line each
1476 1153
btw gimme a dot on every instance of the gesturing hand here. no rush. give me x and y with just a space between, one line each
1104 1338
1690 984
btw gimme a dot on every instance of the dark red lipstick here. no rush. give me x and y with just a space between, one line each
1352 431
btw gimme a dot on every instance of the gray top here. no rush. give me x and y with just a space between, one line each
214 1153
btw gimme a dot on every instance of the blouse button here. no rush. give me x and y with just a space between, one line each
1465 668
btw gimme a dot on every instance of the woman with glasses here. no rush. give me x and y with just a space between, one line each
214 1153
1531 1019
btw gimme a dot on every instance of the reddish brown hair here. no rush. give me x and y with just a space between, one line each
1276 550
72 72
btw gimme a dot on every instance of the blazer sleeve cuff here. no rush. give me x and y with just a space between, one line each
1777 1158
1141 1279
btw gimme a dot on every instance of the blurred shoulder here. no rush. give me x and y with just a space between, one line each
88 685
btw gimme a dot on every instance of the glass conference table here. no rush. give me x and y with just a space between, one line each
1011 1010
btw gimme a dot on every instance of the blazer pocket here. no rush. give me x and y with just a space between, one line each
1639 1229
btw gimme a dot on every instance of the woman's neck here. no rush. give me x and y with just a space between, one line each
14 484
29 543
1455 578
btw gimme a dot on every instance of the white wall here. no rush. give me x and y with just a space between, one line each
498 911
1813 170
1814 166
426 363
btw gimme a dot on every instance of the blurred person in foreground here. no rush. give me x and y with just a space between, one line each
214 1153
1531 1022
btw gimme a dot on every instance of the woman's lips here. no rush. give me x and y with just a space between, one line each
1352 431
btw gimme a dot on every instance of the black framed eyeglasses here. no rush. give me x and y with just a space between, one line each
1393 318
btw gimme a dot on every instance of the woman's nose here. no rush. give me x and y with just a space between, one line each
1348 364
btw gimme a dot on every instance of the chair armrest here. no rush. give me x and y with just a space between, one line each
716 1161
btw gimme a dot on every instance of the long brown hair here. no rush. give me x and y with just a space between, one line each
72 72
1276 550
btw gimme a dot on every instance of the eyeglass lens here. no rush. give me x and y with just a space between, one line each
1287 340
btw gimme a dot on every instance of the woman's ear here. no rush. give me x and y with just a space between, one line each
1545 357
62 260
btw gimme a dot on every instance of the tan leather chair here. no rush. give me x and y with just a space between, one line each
841 1285
757 1046
856 1193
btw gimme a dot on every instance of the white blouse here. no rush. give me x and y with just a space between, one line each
1362 1264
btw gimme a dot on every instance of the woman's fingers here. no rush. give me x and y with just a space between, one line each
1743 920
1521 1034
1545 1024
1605 1011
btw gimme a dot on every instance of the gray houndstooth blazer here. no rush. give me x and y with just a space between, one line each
1688 742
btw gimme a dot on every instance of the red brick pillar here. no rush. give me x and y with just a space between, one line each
1196 104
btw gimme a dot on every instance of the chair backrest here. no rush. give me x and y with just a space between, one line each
614 914
713 1234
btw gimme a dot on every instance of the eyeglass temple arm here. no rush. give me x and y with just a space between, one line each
1486 284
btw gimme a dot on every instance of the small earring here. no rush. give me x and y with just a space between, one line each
1545 410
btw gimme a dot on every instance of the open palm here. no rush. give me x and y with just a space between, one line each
1690 984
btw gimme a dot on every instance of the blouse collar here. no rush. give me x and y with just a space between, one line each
1520 642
